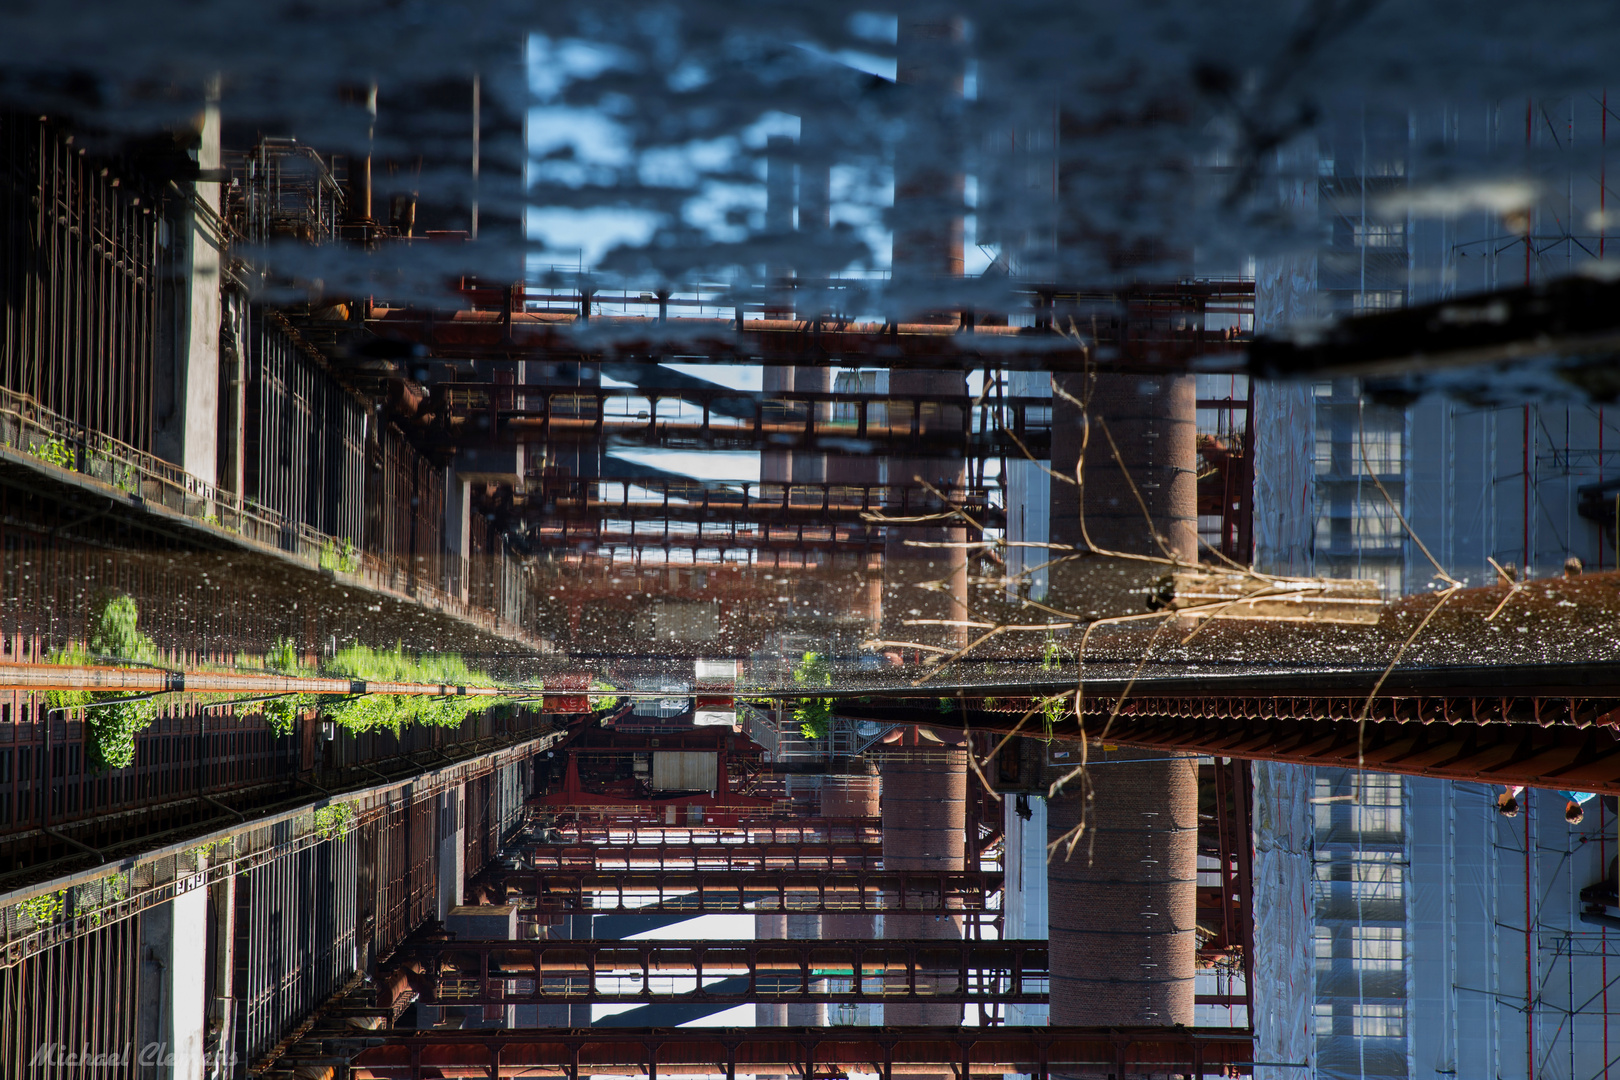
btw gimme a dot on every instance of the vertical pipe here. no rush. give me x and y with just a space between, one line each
1529 952
477 102
1525 573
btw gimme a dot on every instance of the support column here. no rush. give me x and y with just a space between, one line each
457 533
173 989
189 436
221 966
452 849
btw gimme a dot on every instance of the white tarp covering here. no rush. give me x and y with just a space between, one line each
684 770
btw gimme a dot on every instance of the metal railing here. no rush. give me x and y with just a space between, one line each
51 440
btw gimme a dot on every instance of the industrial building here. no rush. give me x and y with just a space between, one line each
629 544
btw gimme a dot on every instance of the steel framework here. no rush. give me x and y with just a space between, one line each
810 1053
705 857
507 972
780 889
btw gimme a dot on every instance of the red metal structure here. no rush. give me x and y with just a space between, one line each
781 889
616 790
742 855
811 1053
828 970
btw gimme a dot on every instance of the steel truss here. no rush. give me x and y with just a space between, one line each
750 890
811 1053
559 972
705 857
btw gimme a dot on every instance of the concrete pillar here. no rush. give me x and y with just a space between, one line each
173 990
233 358
452 849
222 965
188 436
457 532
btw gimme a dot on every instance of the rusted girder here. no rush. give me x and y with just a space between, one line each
935 425
749 890
809 1052
721 535
570 499
1558 756
749 830
1122 345
738 857
1553 727
555 972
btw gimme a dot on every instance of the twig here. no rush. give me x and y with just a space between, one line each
872 643
1513 587
973 759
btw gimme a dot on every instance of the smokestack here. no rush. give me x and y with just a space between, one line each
1122 908
924 828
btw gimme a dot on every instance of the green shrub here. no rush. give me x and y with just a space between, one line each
813 714
111 720
394 711
56 452
334 820
45 909
283 656
282 713
604 701
117 633
342 558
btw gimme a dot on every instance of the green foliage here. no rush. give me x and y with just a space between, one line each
282 713
112 891
1053 710
1051 658
117 633
813 714
339 558
605 701
334 820
56 452
397 665
814 717
283 656
111 720
113 727
45 909
394 711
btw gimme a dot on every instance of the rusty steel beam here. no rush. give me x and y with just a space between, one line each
559 337
739 857
16 677
557 972
1558 756
637 832
1547 727
969 1053
574 499
598 892
721 535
